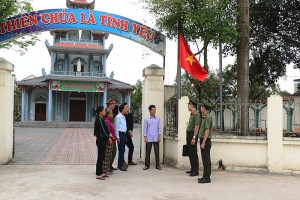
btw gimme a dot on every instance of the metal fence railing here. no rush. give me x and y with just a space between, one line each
170 123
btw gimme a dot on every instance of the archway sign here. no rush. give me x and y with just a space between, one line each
55 19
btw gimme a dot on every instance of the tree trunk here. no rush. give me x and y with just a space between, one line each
243 65
205 55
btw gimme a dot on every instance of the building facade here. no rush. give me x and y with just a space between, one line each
77 82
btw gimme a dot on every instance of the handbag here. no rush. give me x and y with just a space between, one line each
185 150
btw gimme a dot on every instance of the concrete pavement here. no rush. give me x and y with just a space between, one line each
29 182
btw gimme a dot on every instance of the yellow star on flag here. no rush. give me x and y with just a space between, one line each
190 58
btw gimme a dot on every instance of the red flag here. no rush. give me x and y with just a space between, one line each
188 61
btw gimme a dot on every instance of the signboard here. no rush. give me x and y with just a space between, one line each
77 86
82 19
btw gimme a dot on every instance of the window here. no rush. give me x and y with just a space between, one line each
60 65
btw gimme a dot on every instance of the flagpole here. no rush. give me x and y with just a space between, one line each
221 87
178 79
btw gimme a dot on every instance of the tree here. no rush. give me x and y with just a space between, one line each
136 99
242 51
209 88
205 22
10 8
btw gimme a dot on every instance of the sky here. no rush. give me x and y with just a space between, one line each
127 59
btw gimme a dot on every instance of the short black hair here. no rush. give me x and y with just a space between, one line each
121 107
151 106
99 109
208 108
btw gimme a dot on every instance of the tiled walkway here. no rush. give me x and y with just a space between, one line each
74 146
60 146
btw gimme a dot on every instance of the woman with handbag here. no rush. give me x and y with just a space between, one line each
102 134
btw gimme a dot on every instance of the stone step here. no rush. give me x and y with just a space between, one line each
55 124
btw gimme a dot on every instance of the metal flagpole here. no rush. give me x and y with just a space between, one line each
221 87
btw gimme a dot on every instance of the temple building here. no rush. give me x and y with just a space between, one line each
77 82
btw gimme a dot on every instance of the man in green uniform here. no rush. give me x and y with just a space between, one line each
192 138
205 140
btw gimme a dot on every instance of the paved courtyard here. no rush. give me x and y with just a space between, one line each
53 163
60 146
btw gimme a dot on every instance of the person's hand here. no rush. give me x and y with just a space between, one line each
110 135
159 139
202 145
110 140
118 140
130 134
193 141
146 140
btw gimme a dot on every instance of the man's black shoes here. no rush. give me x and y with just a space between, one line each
202 180
188 172
194 174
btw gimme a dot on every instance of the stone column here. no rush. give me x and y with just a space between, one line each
183 120
104 95
23 105
6 110
50 103
275 128
153 93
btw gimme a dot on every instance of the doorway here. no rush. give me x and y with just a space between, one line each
40 112
77 107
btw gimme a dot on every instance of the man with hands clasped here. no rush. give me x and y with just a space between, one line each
152 135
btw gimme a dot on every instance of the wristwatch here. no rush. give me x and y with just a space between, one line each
194 137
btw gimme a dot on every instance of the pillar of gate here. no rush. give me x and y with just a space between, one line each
153 94
275 128
6 110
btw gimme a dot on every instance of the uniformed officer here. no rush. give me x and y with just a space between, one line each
192 138
205 134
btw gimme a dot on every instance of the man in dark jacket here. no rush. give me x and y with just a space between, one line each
129 135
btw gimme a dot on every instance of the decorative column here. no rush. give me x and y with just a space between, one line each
66 67
52 62
104 57
153 93
89 100
50 102
6 114
275 128
104 95
28 105
23 105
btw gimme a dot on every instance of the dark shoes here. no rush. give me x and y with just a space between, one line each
203 180
123 168
194 174
188 172
132 163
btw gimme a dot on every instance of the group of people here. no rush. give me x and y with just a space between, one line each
118 131
199 126
110 132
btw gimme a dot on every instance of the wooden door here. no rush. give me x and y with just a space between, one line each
77 110
40 112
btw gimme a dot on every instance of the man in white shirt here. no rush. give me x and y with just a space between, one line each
121 128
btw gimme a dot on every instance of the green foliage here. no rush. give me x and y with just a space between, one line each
136 98
192 88
10 8
211 20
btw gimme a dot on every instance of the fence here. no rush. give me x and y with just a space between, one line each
171 118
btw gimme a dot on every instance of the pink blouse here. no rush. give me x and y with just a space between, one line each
111 129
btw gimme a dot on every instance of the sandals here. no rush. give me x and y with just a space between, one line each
145 168
159 168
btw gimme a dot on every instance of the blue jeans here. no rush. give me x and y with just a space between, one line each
121 149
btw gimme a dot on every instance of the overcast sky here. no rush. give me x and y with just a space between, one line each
127 59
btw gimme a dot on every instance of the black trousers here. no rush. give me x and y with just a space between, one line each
101 144
148 152
194 160
130 146
205 154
